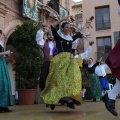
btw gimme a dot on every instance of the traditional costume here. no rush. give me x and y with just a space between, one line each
6 97
113 61
49 50
64 78
100 71
94 91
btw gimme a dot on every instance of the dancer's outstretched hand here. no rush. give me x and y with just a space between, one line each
91 43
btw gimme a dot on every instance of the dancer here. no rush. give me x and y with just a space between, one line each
94 91
64 79
6 97
113 61
100 71
79 58
49 48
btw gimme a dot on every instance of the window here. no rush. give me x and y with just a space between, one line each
116 36
102 18
103 45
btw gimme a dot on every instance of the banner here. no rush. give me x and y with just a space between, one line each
63 12
30 9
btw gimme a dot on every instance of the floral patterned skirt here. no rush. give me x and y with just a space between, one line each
5 85
94 91
64 80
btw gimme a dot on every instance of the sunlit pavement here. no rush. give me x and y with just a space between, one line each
87 111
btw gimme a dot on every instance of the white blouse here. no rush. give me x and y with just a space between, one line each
100 70
1 43
40 41
85 54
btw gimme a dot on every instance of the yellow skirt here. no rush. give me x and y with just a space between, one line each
64 79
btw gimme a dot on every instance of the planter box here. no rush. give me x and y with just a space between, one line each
26 96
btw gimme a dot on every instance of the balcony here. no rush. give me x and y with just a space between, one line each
102 25
54 5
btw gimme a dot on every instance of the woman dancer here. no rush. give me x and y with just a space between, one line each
94 91
64 79
6 98
48 47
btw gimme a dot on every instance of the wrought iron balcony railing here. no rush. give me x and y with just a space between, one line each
102 25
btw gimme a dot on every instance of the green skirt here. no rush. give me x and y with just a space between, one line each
64 80
6 98
94 91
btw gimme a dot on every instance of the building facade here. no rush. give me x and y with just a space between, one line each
11 15
106 28
77 13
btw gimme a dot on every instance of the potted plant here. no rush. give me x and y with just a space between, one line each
28 62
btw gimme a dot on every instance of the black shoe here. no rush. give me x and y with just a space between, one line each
70 105
52 107
94 100
47 105
5 109
109 104
62 102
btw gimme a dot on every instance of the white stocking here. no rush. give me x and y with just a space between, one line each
115 91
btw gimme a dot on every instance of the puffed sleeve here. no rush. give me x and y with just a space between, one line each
77 35
54 32
86 53
39 38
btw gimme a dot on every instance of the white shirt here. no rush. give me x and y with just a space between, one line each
100 70
1 43
85 54
41 42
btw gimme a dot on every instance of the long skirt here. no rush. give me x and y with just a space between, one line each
94 91
104 83
44 74
6 98
64 80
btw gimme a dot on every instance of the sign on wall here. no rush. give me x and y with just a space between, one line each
63 12
30 9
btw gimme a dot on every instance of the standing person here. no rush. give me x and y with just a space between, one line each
113 61
64 78
100 71
6 97
94 92
48 47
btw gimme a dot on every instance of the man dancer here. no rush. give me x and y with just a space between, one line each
113 61
49 49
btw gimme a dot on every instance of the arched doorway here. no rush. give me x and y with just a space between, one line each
10 46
